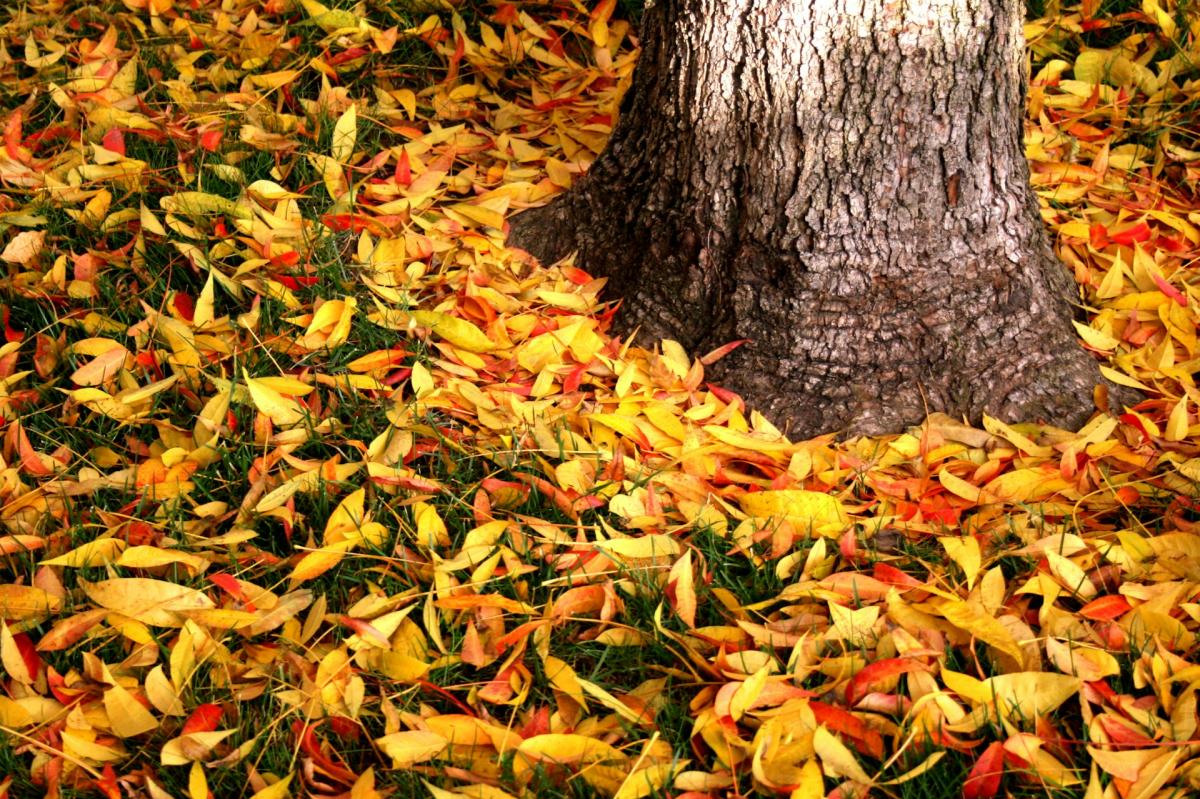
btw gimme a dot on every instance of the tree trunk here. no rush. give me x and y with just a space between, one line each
843 183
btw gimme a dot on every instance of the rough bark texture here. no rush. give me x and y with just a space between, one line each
843 183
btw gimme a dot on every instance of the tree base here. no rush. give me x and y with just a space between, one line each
843 185
1007 353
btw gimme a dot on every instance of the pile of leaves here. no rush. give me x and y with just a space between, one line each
310 486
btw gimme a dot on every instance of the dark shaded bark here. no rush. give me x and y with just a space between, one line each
842 182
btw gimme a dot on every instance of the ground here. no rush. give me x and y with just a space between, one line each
311 486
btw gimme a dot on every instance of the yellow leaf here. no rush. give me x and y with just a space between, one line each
966 554
973 619
1123 379
283 411
566 748
94 553
271 191
278 790
1114 281
329 20
1085 662
1096 339
644 782
680 584
23 601
1025 485
958 486
924 766
489 213
836 759
1163 17
408 101
364 786
126 716
197 782
808 510
422 380
192 747
11 658
153 602
431 530
743 698
345 134
811 784
14 715
1071 576
148 557
1024 695
198 203
332 174
749 441
411 746
642 548
162 693
458 332
204 306
1021 441
319 561
349 515
563 677
1177 424
288 386
612 703
855 626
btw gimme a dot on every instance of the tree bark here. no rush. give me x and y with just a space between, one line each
842 182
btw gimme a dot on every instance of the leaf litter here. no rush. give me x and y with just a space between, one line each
311 486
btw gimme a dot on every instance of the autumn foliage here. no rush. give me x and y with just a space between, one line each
312 487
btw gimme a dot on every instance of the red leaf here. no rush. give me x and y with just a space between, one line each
721 351
203 719
114 141
984 779
574 378
286 258
1120 732
343 727
893 576
231 586
1106 608
107 784
33 662
211 139
506 14
860 684
1139 232
848 546
1169 290
538 724
185 305
11 335
311 745
576 275
12 136
865 740
724 394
